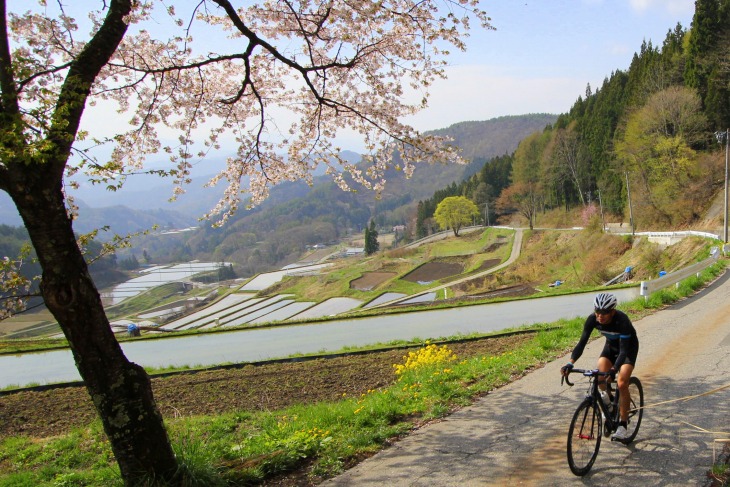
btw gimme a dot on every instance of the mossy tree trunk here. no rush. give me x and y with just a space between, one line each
33 161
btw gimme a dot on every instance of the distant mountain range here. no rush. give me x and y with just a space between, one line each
495 137
295 216
144 199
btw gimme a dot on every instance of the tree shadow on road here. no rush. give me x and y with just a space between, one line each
511 437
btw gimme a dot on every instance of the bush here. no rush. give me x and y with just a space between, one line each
591 218
427 356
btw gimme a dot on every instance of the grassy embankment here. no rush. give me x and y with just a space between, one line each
246 447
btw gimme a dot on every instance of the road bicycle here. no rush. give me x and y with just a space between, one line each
594 418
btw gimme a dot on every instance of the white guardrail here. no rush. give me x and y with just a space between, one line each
649 287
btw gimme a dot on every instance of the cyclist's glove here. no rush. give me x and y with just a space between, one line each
566 368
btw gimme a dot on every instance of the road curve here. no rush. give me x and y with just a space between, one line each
517 434
516 249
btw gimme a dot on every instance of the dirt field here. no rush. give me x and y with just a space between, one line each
433 271
494 246
266 387
369 280
488 264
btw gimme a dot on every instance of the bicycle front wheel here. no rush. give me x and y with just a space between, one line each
584 437
636 408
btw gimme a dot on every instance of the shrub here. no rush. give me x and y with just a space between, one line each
591 218
425 357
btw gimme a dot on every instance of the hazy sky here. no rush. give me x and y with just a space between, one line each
544 53
539 59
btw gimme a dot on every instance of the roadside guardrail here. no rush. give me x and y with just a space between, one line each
649 287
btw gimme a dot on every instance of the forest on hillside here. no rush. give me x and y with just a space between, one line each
647 147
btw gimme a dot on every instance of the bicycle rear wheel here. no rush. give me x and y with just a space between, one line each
584 437
636 408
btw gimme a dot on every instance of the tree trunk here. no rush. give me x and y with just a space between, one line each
120 390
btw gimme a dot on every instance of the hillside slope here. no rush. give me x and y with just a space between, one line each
278 232
490 138
580 259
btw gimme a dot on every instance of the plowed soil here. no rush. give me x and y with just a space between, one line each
433 271
50 412
370 279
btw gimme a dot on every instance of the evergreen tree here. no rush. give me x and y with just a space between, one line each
371 239
130 263
226 272
421 230
707 47
705 29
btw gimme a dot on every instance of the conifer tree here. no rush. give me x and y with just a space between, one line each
371 239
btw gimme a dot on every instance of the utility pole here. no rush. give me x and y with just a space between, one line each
720 136
727 141
600 205
628 196
486 211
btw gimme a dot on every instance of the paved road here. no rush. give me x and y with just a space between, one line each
517 434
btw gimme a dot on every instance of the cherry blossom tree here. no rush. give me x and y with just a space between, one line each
328 65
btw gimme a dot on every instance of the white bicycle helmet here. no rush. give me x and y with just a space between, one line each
605 302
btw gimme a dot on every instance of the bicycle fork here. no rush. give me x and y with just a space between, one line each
610 420
588 426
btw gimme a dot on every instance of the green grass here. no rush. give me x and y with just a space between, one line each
468 244
261 444
20 346
246 447
408 287
720 472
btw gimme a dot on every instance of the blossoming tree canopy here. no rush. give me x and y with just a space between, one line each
331 66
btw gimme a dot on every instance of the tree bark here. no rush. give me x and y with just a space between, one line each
32 174
120 390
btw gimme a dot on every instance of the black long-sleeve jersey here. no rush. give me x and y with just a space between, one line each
620 336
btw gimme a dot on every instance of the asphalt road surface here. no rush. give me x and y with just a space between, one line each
517 434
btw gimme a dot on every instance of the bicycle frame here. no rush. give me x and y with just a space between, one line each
611 417
593 419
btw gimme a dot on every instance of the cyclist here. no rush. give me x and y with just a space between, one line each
619 353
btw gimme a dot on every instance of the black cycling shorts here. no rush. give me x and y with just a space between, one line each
611 353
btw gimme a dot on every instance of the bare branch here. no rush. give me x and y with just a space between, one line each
81 75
